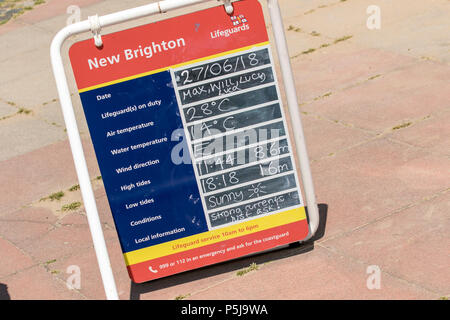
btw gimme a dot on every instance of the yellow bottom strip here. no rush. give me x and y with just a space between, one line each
215 236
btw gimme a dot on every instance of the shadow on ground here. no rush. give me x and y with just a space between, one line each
234 265
4 295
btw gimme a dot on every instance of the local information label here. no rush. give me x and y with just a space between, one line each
190 135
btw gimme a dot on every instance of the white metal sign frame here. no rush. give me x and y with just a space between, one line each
94 25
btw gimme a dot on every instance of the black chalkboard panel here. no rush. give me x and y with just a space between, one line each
239 139
226 86
249 191
231 103
243 156
234 122
222 67
254 209
247 174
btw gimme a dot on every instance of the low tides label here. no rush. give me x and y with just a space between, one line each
191 139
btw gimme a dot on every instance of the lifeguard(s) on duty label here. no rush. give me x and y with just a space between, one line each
190 135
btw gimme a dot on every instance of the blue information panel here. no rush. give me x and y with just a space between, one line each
134 145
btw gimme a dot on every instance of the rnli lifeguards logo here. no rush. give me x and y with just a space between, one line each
237 20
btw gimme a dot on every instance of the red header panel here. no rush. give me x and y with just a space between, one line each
167 43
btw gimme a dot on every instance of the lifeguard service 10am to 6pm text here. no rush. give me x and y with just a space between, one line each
191 138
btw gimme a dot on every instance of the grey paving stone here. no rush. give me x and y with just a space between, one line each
30 91
26 133
6 109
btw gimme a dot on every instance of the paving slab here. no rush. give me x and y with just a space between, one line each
53 8
26 133
60 242
57 21
398 18
32 223
104 210
91 284
22 65
340 66
433 133
52 114
331 19
294 8
374 179
389 100
301 42
411 244
43 12
320 274
337 17
40 88
13 259
76 218
21 40
7 110
12 9
37 284
20 185
325 138
430 40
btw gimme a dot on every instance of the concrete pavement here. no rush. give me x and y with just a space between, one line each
376 112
